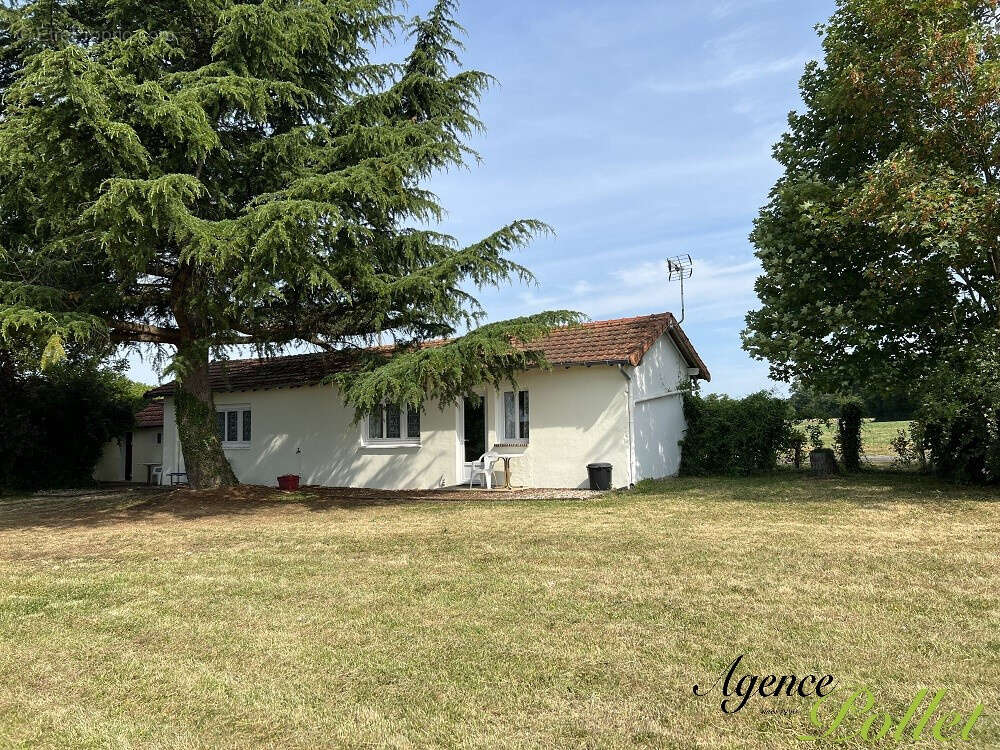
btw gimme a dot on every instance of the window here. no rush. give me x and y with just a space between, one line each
233 426
159 438
515 416
375 424
392 424
393 428
413 423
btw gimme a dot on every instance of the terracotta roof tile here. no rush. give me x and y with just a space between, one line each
621 341
151 415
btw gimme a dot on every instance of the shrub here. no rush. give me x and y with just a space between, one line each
734 436
796 447
849 434
53 427
815 432
958 422
904 449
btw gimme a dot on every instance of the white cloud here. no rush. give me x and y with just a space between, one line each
728 8
717 291
735 76
738 57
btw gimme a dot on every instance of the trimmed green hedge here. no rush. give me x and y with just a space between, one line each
734 436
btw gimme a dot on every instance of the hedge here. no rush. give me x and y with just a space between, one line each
734 436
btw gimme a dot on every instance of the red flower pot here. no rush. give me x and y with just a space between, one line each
288 482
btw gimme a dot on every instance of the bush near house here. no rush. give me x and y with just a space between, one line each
54 426
727 436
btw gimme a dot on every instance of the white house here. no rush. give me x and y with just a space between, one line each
131 457
612 396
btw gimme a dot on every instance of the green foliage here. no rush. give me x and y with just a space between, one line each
204 174
446 372
253 178
53 427
908 446
811 403
849 434
734 436
889 407
959 417
797 440
881 241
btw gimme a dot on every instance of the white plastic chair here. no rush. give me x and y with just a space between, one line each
484 467
156 475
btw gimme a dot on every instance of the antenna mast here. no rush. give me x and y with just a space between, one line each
680 267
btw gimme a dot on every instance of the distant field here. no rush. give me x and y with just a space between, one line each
875 436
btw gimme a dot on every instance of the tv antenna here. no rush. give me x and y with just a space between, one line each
680 267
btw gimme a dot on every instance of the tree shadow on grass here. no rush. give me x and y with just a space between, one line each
867 490
107 506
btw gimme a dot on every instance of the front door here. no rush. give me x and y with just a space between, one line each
474 432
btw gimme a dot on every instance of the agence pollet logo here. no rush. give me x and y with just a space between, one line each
838 715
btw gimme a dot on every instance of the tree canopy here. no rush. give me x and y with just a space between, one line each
207 173
881 241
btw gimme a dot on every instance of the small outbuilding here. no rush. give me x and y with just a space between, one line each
133 456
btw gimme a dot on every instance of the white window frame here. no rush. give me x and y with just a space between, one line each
403 441
502 439
239 409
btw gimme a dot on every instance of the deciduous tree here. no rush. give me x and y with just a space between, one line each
881 241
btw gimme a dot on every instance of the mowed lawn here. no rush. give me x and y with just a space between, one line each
193 621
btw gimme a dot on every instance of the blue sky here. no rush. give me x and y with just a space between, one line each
639 130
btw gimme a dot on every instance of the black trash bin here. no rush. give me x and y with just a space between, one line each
600 476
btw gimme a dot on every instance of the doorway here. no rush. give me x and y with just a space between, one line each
473 432
128 456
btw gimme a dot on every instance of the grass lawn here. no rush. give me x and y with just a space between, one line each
194 621
875 436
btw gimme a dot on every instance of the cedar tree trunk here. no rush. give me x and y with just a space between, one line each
204 460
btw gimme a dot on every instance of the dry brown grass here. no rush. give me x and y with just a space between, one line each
260 619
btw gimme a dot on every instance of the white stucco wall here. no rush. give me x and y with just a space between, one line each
172 458
111 467
659 418
577 416
314 420
145 450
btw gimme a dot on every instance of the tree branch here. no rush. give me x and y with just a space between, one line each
123 330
